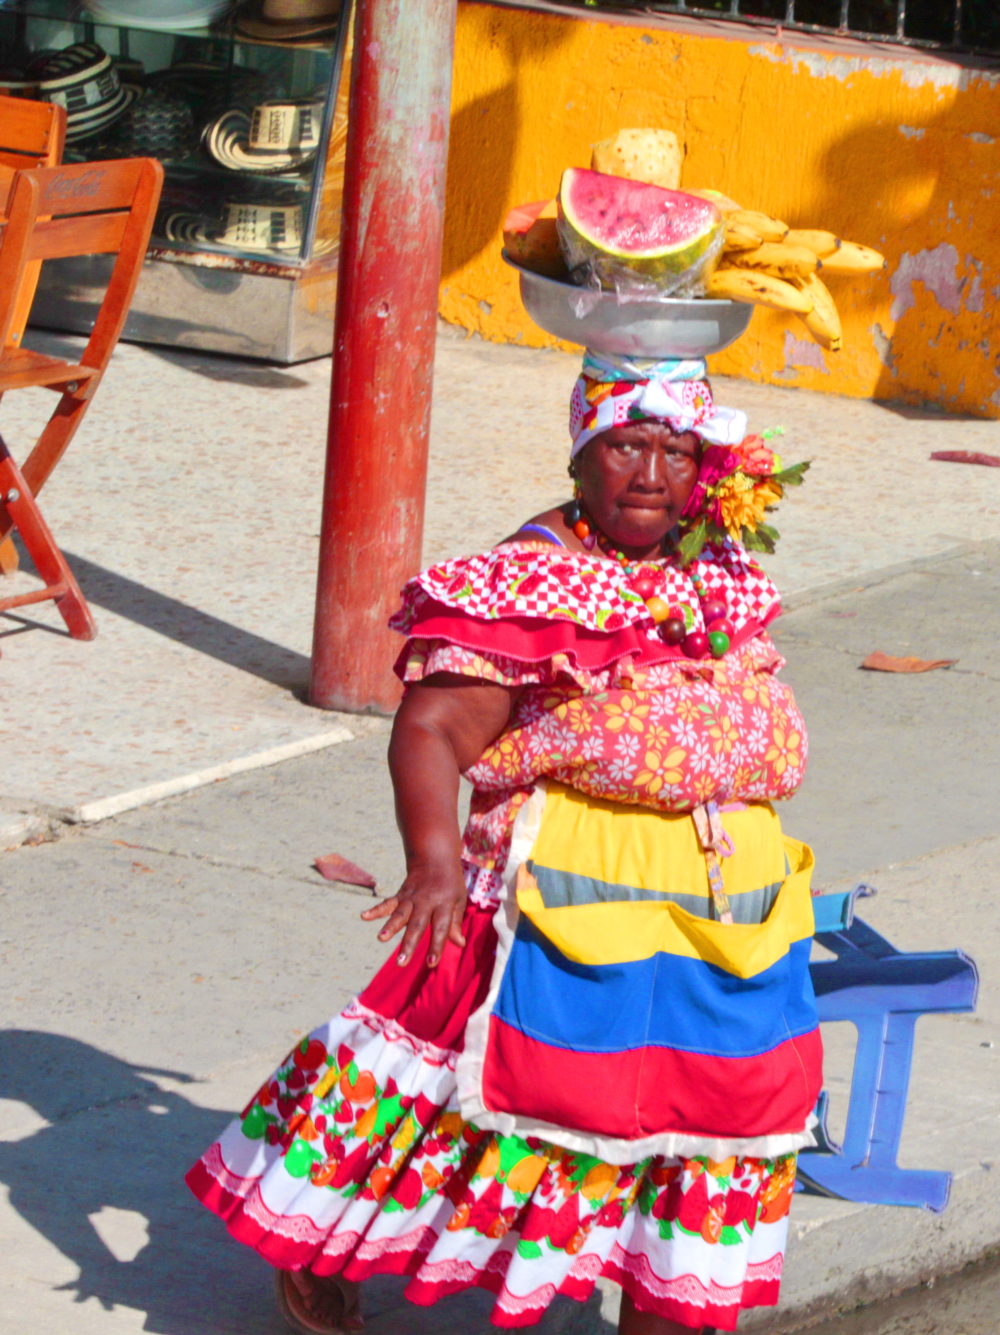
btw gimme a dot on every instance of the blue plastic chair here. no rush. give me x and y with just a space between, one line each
882 991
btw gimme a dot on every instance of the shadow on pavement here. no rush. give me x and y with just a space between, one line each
187 625
103 1183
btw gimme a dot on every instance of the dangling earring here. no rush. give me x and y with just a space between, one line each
575 512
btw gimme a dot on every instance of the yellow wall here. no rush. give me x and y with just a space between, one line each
901 151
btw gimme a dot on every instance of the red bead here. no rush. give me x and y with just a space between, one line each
724 626
645 586
713 609
673 630
696 644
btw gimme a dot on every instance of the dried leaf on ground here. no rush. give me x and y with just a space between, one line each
967 457
880 662
336 868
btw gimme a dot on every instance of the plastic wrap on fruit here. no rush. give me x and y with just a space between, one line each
634 239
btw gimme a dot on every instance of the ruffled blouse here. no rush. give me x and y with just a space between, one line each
603 703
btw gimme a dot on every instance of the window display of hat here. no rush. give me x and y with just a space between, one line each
158 15
287 20
83 78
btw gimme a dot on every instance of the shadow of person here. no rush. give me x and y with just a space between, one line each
929 315
484 136
103 1183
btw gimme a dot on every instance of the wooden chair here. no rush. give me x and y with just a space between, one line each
54 213
32 134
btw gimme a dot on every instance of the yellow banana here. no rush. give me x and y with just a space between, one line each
770 229
741 237
722 202
778 258
823 321
754 285
851 257
814 238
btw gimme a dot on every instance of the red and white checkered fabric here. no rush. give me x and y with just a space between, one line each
552 584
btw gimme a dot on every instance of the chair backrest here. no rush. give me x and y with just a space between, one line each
32 134
85 208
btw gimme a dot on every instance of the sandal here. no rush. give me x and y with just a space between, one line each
332 1307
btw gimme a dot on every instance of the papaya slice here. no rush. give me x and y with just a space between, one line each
531 240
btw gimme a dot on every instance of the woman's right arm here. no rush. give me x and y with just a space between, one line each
441 728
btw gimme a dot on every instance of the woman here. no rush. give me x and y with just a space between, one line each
594 1052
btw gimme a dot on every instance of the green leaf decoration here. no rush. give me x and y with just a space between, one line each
761 541
792 475
729 1235
529 1250
390 1206
666 1232
692 542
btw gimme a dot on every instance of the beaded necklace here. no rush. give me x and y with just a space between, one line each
675 621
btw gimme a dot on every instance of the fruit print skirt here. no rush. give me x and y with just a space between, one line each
352 1158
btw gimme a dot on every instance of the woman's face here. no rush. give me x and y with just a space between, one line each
636 479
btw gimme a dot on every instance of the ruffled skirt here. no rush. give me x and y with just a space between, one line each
353 1159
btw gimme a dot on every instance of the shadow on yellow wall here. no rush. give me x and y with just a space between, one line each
923 176
486 131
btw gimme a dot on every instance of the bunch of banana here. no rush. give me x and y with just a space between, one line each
765 261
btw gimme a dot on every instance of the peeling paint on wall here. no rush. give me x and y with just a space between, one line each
937 269
974 296
883 346
894 153
804 352
913 73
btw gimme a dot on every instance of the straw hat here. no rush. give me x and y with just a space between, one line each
287 20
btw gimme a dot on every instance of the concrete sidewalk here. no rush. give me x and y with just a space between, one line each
158 959
189 508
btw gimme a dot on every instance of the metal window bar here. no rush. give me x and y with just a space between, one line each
960 26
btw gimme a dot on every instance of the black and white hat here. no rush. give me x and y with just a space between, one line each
84 79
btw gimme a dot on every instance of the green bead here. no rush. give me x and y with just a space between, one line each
718 642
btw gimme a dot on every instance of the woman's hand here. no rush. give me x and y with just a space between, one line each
442 726
430 896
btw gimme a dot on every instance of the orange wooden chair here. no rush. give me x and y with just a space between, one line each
32 134
54 213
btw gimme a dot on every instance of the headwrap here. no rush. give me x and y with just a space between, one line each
612 391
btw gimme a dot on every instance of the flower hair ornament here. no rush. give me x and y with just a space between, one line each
736 487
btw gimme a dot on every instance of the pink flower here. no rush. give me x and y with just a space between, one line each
717 462
758 457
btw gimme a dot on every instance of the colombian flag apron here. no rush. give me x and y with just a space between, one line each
622 1020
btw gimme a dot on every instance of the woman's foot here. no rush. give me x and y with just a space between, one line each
633 1322
318 1304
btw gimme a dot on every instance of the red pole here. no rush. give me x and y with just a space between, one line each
383 352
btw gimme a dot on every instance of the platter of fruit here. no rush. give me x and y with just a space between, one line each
642 327
623 260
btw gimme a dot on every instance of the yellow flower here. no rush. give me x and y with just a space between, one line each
661 769
784 751
576 715
629 714
723 734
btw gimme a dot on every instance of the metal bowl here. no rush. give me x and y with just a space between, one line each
650 327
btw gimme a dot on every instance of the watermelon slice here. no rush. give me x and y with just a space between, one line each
633 237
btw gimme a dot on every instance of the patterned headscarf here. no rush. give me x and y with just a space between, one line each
612 391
